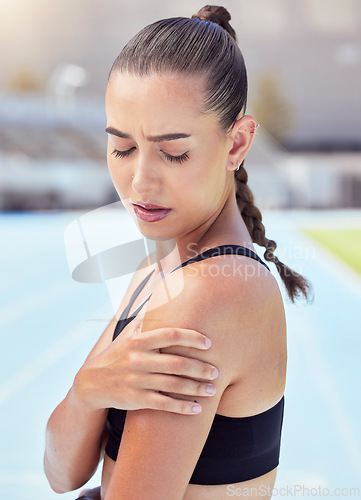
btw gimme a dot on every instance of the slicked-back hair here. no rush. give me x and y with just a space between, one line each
191 46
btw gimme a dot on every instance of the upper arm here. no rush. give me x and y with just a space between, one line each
159 450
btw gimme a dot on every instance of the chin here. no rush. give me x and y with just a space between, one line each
153 235
151 230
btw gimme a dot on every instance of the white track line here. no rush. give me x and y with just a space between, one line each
25 305
323 381
70 341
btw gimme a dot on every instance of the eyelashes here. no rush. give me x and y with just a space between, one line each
177 159
121 154
172 159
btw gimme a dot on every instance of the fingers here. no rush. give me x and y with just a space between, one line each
183 366
159 401
166 337
179 385
172 364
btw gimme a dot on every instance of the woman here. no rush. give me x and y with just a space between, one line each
178 137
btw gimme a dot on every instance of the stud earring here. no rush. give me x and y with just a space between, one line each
238 166
254 131
132 176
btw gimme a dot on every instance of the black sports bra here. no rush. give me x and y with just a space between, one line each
237 448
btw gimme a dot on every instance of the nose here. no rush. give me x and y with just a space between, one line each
145 177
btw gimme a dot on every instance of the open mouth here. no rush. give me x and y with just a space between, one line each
151 209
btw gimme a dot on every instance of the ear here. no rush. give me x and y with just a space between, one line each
242 135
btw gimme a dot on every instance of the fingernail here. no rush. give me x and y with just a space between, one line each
207 342
214 373
196 408
210 389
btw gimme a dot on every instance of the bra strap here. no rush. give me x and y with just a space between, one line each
136 292
223 250
211 252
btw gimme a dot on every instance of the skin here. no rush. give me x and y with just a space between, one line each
126 373
159 449
155 178
251 362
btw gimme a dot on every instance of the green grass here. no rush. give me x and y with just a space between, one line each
344 243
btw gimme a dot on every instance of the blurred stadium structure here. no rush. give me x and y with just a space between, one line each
304 64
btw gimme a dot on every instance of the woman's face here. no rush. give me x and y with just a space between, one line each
177 154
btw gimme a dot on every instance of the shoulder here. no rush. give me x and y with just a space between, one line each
226 283
231 299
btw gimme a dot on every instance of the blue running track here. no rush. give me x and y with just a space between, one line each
48 324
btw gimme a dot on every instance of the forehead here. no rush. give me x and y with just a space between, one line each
171 98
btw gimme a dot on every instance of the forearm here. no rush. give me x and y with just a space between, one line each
74 436
128 374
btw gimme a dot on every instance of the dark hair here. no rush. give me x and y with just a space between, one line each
206 45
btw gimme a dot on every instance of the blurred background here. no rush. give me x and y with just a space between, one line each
304 68
303 60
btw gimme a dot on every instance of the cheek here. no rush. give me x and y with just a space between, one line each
117 176
114 173
212 173
204 188
114 168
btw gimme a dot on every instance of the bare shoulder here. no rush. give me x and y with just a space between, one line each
222 285
231 299
257 338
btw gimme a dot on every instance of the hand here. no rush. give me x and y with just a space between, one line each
131 373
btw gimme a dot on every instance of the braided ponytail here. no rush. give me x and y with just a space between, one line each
295 283
206 45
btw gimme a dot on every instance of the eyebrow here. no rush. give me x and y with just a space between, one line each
155 138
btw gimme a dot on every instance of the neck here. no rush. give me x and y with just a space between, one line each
224 226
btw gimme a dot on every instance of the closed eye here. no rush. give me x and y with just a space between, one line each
178 159
121 154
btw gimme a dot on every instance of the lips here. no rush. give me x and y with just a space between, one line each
150 206
149 212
